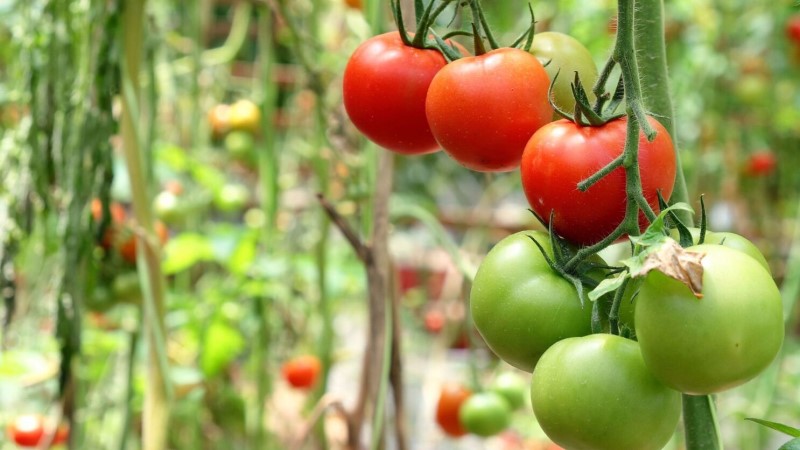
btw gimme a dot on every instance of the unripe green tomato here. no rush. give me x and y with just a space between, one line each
566 55
485 414
705 345
595 393
728 239
520 305
232 197
240 145
169 207
511 387
794 444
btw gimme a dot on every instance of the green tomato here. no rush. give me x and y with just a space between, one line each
240 145
232 197
520 305
727 239
485 414
705 345
794 444
511 387
595 393
566 56
170 208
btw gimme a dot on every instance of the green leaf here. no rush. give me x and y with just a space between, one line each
185 250
656 233
607 285
222 344
785 429
243 255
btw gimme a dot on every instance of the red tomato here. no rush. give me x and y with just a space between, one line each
434 321
760 163
127 249
452 396
793 28
562 154
28 430
384 88
302 371
118 216
354 4
483 109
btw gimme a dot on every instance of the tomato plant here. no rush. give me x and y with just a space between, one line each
483 109
302 371
127 247
240 145
562 154
384 89
451 397
564 55
716 342
511 387
485 414
244 115
728 239
232 197
520 305
594 392
28 430
118 217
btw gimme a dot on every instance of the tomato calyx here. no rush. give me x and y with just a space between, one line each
425 18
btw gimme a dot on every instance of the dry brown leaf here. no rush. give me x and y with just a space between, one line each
675 262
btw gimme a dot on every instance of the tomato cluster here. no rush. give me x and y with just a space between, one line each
120 234
480 109
237 126
460 411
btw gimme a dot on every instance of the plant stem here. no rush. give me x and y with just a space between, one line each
156 405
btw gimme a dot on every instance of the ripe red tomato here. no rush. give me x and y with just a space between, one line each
761 163
302 371
793 28
562 154
452 396
28 430
384 88
484 109
118 217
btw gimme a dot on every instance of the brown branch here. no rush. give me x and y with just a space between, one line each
362 250
396 371
325 402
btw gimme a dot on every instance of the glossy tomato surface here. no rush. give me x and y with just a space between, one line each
564 55
595 393
705 345
485 414
520 305
384 89
562 154
483 109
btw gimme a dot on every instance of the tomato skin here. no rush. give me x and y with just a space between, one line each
483 109
727 337
451 397
566 56
520 305
485 414
302 371
594 392
562 154
384 89
219 120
